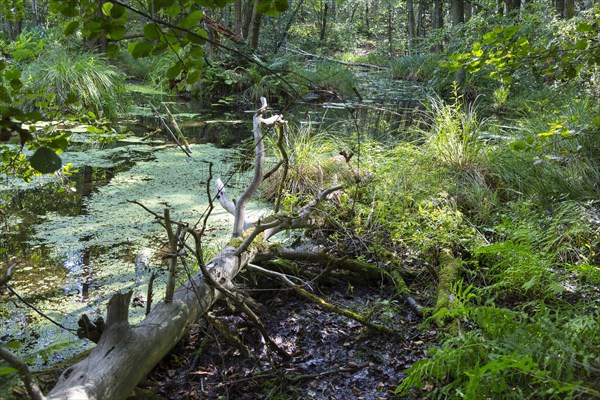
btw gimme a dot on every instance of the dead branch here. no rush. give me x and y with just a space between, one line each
32 388
162 120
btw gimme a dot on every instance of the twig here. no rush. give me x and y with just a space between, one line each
38 311
150 292
187 153
180 135
32 388
173 256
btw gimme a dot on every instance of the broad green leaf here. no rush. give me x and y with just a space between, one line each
191 20
151 31
45 160
196 51
71 27
510 31
174 10
490 37
584 27
106 8
198 37
117 11
7 370
140 49
13 345
175 70
69 10
160 4
116 32
193 77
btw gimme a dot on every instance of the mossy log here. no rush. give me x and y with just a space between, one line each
449 270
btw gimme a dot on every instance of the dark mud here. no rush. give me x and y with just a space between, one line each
332 357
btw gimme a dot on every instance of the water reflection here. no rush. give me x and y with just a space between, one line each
79 277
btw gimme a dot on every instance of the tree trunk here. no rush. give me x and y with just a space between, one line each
237 23
254 32
458 12
438 22
468 10
247 8
560 8
410 24
324 22
420 18
569 9
125 354
513 6
458 17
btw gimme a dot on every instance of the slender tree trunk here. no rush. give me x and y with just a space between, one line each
324 22
34 11
513 6
500 7
468 10
458 17
438 22
458 12
390 29
560 8
569 9
237 23
247 8
420 18
254 27
410 24
367 16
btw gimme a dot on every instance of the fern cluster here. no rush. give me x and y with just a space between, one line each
509 354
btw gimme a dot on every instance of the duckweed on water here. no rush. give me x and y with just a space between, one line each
95 251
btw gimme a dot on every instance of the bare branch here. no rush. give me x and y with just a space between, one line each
32 388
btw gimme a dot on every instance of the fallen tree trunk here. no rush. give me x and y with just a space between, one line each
125 353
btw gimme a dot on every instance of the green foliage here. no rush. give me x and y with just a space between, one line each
75 80
558 50
453 135
419 68
537 254
332 78
507 354
550 155
313 166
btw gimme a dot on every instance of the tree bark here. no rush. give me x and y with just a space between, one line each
569 9
125 354
438 23
410 24
468 10
255 23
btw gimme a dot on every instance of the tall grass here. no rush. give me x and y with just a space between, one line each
453 134
75 80
313 164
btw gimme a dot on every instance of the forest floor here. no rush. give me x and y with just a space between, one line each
333 357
